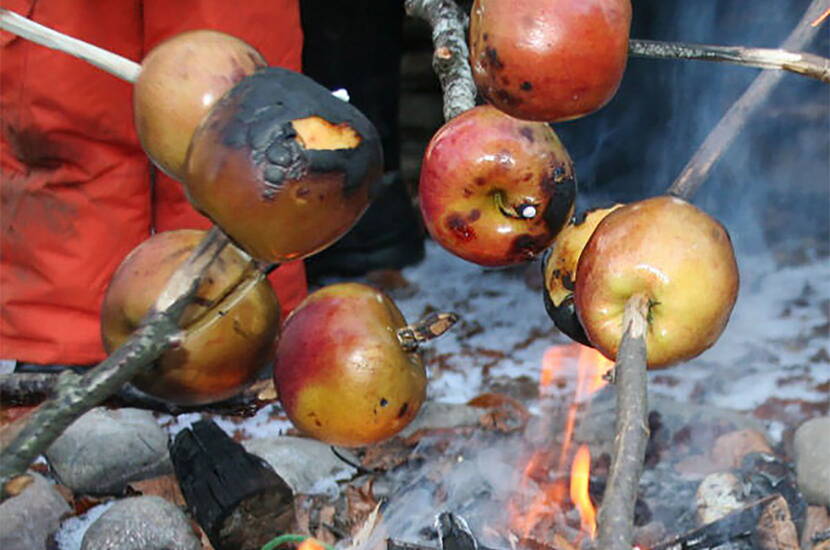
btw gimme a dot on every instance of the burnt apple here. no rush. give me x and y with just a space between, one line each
675 255
180 80
559 271
549 60
495 190
282 166
341 372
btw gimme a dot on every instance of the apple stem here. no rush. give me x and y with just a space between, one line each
431 326
615 525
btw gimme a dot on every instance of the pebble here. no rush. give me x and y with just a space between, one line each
308 466
812 460
141 523
718 495
27 520
102 451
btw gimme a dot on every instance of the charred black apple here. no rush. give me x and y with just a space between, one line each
282 166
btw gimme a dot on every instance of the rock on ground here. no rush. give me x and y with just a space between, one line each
141 523
105 449
27 519
812 460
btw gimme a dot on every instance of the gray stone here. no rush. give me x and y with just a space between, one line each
27 519
307 465
812 460
141 523
105 449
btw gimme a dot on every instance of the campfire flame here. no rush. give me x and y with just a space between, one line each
542 467
580 479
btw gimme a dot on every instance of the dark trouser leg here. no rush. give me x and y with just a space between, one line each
356 44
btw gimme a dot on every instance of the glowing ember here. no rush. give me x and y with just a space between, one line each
580 480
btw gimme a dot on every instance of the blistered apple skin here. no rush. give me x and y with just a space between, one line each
549 61
340 372
479 155
254 174
678 256
223 351
180 80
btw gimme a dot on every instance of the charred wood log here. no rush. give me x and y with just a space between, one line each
239 501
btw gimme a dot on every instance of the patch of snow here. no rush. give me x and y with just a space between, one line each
71 532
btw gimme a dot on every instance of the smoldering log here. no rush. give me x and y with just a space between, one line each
239 501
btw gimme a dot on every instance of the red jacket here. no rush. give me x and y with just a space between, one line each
75 193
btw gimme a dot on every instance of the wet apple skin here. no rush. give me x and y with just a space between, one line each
549 60
680 257
340 372
482 153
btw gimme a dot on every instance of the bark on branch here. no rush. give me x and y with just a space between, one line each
615 522
451 57
807 64
724 133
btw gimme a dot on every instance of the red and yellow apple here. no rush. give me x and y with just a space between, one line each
495 190
282 166
341 373
559 271
230 330
678 257
549 60
180 80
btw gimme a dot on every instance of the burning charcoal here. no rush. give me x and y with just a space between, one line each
454 532
718 495
812 449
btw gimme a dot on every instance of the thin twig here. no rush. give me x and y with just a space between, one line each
451 57
807 64
721 137
76 394
615 525
110 62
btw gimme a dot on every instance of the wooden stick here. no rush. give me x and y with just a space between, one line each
450 59
807 64
721 137
615 525
112 63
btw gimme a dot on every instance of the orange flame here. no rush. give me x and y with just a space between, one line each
580 480
591 367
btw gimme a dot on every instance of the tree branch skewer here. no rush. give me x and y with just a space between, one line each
615 525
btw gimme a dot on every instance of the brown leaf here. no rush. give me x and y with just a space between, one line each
166 487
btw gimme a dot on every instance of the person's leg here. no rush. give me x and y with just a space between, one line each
74 197
273 28
356 44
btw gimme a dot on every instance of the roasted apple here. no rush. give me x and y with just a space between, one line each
341 372
495 190
230 332
678 257
180 80
559 271
549 61
282 166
